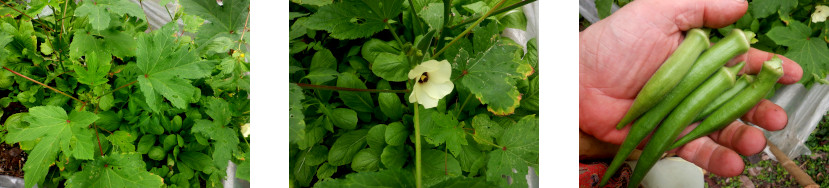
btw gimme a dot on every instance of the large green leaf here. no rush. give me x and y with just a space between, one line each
811 53
359 101
519 152
491 77
764 8
438 166
164 68
394 157
392 67
432 14
376 137
296 119
115 170
225 140
343 150
366 160
97 68
396 134
443 128
98 16
389 103
353 19
57 131
226 20
391 178
5 39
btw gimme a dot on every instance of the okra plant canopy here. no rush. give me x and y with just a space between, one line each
109 103
353 123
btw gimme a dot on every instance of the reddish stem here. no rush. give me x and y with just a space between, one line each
46 86
311 86
42 24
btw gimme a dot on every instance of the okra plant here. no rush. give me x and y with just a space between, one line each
110 102
418 93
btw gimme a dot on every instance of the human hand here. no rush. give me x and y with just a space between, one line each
619 54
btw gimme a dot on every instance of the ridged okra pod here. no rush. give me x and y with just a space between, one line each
741 103
668 75
680 117
743 82
735 43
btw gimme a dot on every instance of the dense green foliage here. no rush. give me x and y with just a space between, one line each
109 103
351 122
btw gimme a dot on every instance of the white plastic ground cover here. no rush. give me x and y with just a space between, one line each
157 16
805 107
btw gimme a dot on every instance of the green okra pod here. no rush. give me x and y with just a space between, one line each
735 43
680 117
740 104
744 81
668 75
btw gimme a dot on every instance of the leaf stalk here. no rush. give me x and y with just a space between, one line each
469 29
418 150
335 88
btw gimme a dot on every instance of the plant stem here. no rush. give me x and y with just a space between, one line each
311 86
116 89
241 40
394 33
469 29
499 11
418 151
42 24
463 105
44 85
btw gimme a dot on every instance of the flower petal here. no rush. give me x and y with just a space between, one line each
442 74
427 66
413 95
428 102
437 90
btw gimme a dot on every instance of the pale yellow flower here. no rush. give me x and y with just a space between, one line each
432 82
820 14
245 129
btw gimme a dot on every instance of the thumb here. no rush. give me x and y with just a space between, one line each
687 14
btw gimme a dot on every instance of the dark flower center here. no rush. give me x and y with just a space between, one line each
423 78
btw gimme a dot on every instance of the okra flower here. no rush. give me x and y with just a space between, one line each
431 82
820 14
245 129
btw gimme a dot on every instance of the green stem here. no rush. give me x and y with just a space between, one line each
418 151
311 86
116 89
469 29
394 33
30 17
46 86
499 11
463 105
244 29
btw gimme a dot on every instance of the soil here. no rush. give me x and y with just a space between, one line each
12 159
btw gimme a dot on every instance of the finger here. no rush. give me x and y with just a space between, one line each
713 157
741 138
687 14
767 115
754 59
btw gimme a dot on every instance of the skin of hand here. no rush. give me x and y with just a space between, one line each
618 55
